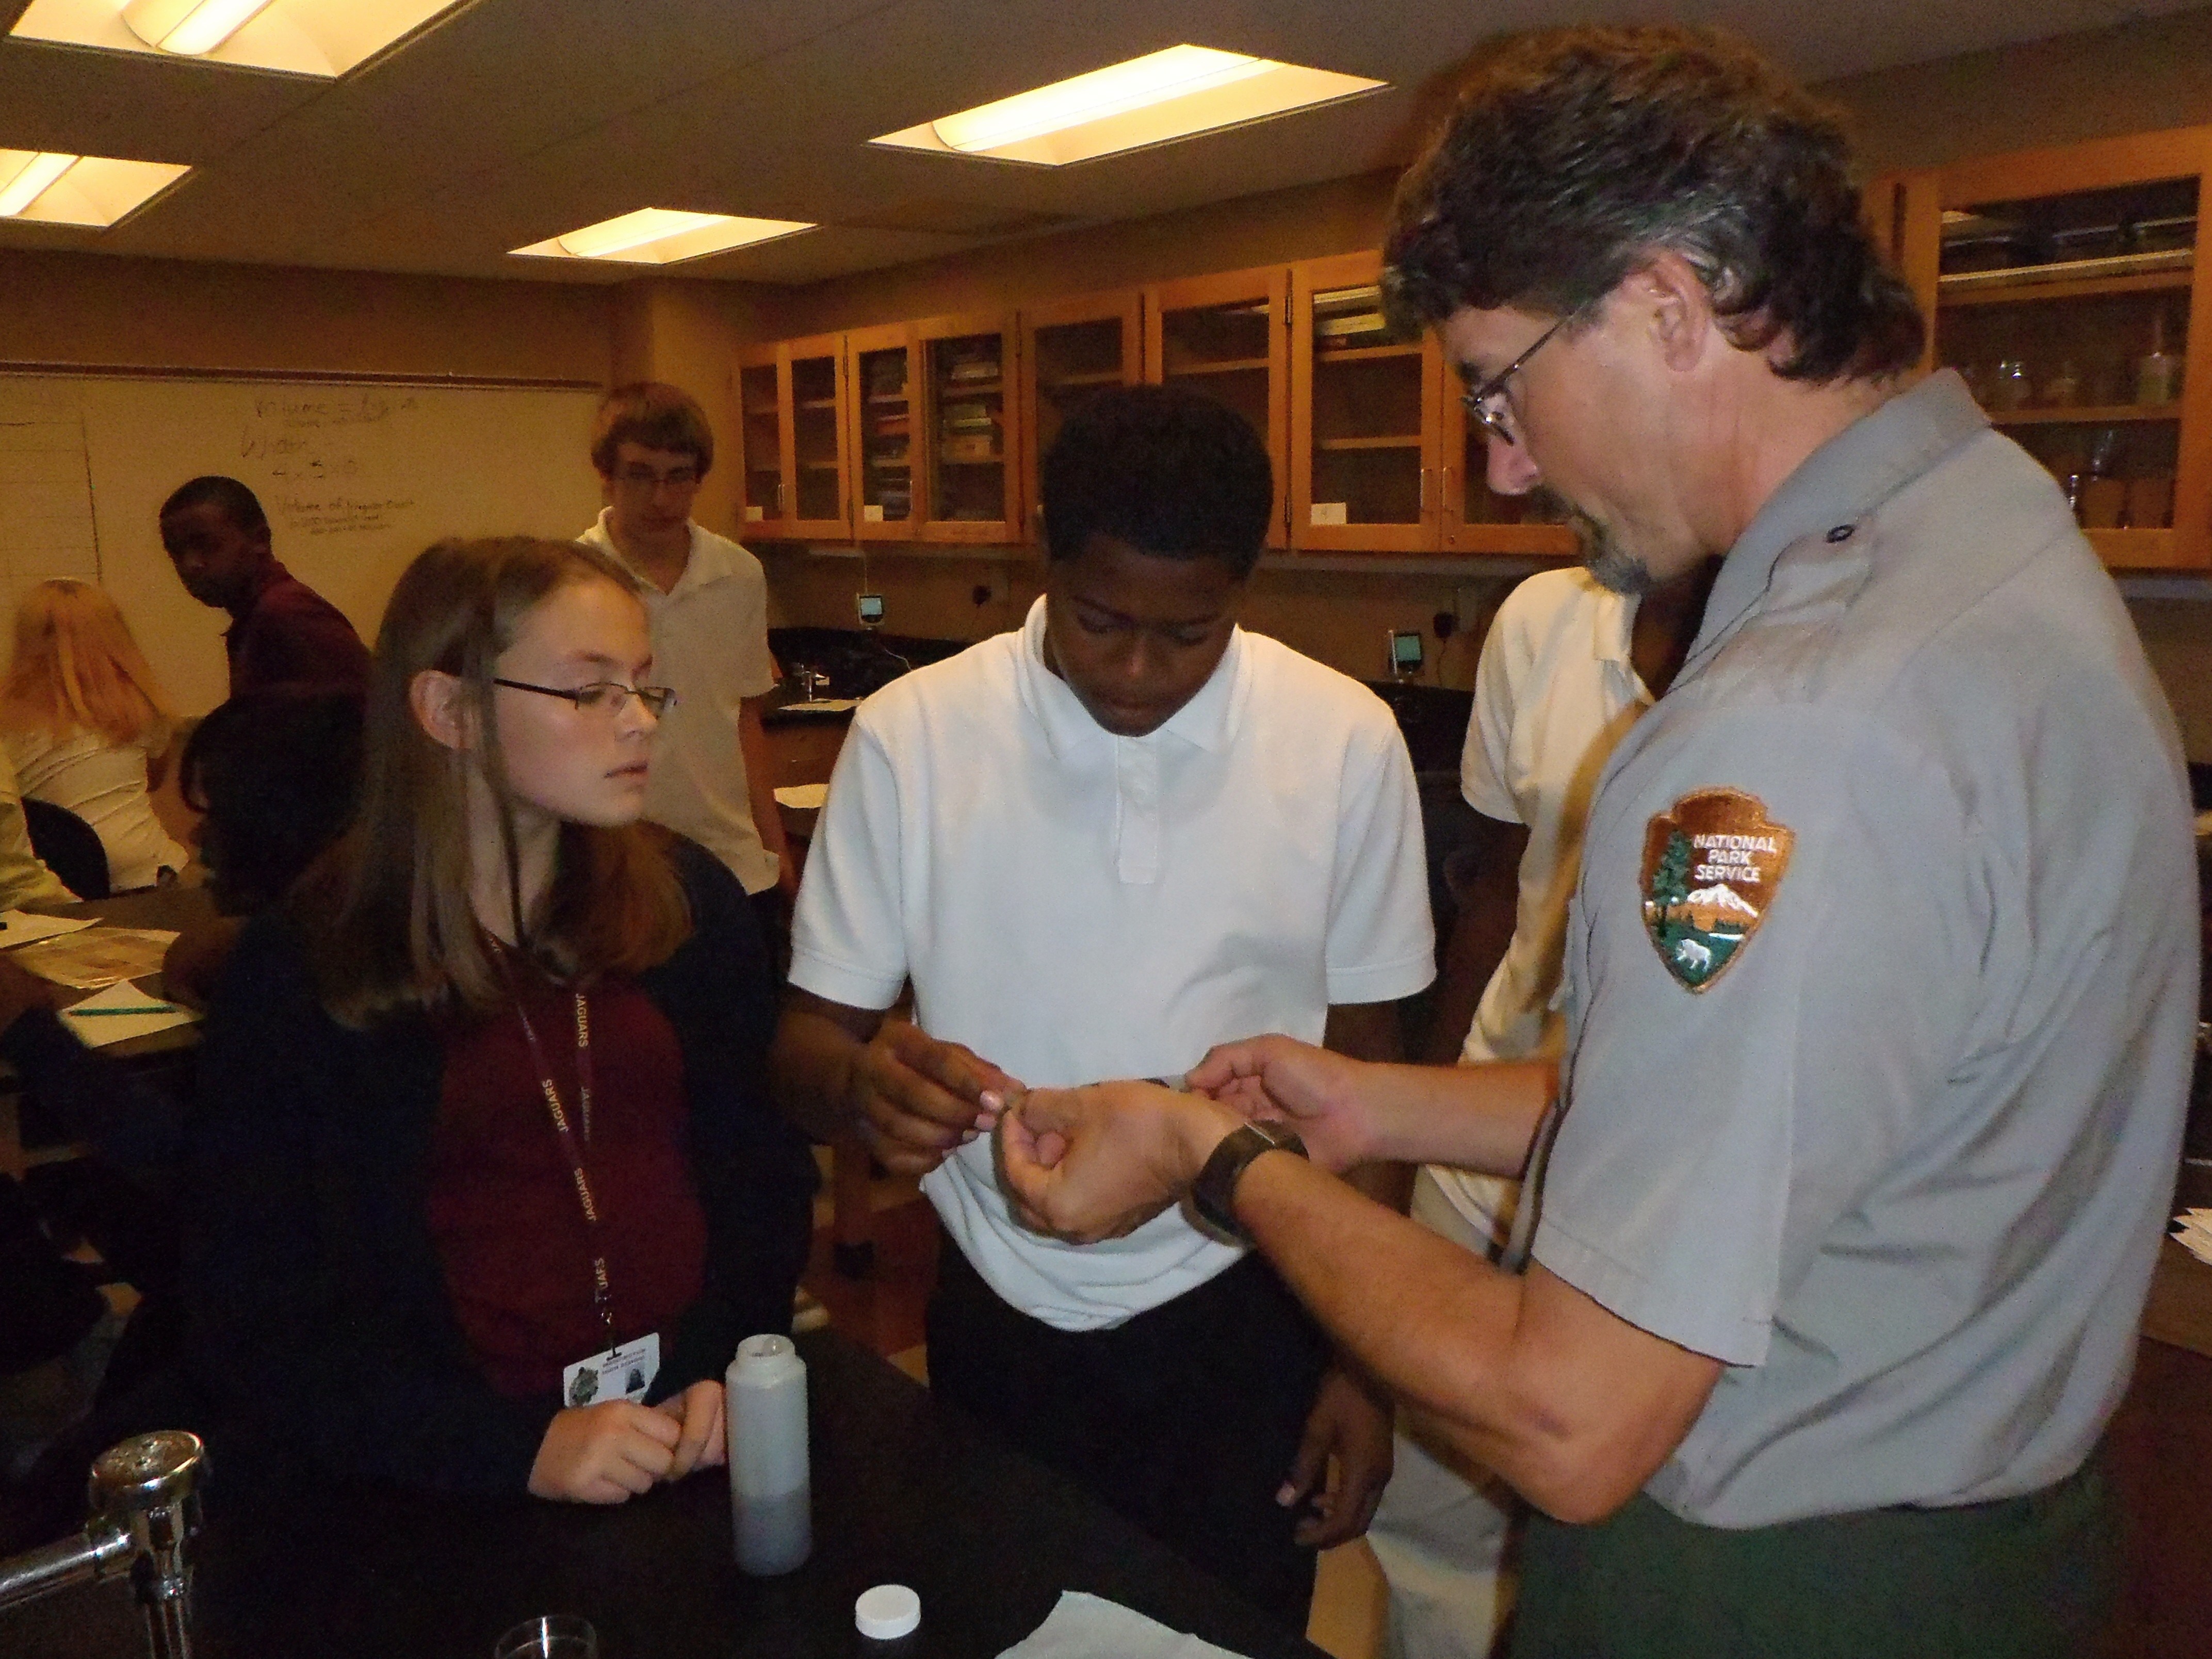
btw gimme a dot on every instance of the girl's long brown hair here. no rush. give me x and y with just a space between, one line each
77 668
387 911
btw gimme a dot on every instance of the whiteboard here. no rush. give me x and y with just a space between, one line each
356 478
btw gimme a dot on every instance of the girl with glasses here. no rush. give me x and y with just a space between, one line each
490 1189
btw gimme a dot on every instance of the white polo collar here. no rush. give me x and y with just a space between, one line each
1207 721
704 565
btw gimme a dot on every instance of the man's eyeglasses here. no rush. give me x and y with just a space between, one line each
603 696
1488 403
644 477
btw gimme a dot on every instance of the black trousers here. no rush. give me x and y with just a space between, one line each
1185 1418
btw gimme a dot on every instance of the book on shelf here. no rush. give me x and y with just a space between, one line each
1337 328
970 447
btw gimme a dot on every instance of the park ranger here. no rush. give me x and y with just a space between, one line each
1879 971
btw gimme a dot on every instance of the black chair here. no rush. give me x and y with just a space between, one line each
69 847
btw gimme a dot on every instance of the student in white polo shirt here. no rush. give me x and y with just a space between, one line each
1567 667
1096 846
707 600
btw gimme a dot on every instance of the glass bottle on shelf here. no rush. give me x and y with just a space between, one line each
2011 390
2158 372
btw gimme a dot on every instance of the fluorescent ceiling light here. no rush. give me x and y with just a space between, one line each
31 172
1163 95
189 27
661 236
40 187
323 38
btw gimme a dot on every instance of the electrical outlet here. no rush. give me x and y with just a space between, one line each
869 607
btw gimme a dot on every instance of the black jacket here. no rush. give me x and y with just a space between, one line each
320 1330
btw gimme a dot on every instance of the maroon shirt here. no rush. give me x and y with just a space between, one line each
504 1212
288 636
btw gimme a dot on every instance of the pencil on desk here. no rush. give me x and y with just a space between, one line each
151 1008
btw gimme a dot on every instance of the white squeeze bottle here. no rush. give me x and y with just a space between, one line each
770 1497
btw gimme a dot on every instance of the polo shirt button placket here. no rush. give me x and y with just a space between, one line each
1137 789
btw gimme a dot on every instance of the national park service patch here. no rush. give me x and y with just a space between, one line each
1710 868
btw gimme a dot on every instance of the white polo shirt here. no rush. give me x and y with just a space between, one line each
710 643
1076 906
1554 692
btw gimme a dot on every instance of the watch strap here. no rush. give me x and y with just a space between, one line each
1212 1195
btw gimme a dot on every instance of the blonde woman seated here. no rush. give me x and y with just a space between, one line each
85 725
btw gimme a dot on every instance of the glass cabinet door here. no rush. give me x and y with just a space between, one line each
818 395
1072 349
882 386
2069 314
972 488
1478 519
1363 416
761 489
1226 336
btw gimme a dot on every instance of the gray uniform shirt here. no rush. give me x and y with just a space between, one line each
1881 985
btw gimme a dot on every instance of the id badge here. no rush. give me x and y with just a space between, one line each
625 1372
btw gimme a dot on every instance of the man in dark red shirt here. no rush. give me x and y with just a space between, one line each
282 633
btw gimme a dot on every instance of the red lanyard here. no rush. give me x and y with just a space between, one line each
602 1291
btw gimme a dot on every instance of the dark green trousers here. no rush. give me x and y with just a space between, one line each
2031 1577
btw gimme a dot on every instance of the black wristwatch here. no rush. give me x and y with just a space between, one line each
1212 1195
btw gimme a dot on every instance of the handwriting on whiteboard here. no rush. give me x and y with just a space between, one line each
325 453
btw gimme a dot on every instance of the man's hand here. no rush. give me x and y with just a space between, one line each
604 1453
1316 1092
704 1442
1348 1437
1100 1161
916 1098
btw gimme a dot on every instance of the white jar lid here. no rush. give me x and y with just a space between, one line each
887 1612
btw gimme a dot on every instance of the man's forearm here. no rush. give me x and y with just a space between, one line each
1472 1117
1523 1376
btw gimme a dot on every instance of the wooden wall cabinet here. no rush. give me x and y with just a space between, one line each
1383 459
1228 336
1366 450
819 398
2062 284
1071 350
763 449
966 441
792 445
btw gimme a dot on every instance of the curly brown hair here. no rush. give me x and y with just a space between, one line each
1572 155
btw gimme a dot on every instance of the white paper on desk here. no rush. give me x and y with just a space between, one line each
2194 1229
22 928
100 1030
802 797
1081 1626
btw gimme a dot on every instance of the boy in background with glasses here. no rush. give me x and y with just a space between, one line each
707 600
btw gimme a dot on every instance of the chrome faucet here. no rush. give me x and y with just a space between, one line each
145 1512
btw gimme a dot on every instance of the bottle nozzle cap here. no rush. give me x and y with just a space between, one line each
887 1613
